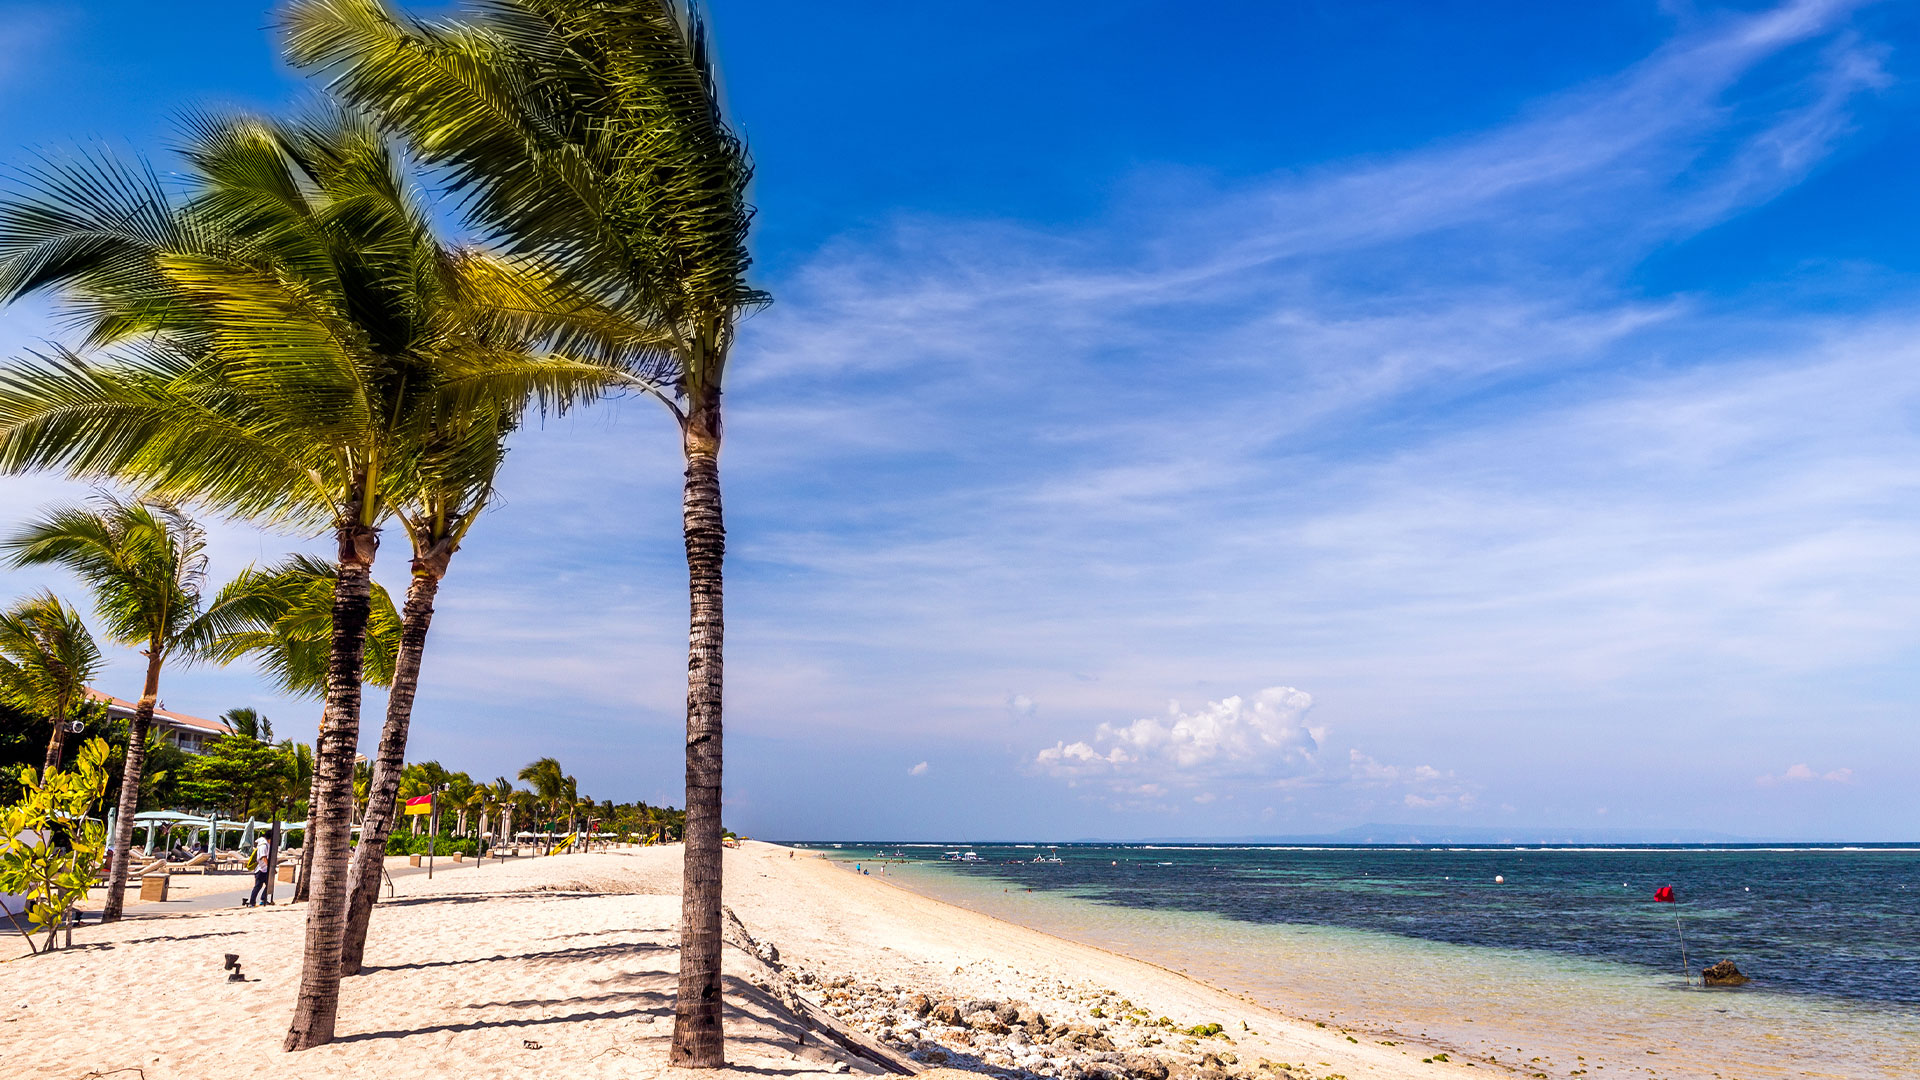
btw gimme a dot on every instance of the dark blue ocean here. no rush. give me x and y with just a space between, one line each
1833 921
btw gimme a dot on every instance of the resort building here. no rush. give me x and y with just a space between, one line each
189 733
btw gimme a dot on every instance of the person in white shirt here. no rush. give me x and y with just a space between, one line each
262 848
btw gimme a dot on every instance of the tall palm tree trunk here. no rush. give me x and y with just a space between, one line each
303 888
369 858
330 821
696 1010
130 787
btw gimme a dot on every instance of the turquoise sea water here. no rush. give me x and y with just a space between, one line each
1568 958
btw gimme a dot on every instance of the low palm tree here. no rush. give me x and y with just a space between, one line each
47 658
282 620
249 722
549 784
591 133
145 563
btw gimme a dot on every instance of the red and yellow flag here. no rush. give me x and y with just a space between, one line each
421 805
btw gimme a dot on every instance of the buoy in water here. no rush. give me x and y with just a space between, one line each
1499 880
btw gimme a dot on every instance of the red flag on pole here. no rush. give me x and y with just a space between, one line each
1664 895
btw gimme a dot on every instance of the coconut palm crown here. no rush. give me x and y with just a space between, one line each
47 658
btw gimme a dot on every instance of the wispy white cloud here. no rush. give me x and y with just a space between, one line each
1399 428
1803 774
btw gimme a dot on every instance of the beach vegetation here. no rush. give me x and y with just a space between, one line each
144 561
590 133
408 844
291 339
47 658
282 620
50 844
236 774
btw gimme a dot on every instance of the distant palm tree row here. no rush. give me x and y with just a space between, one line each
282 335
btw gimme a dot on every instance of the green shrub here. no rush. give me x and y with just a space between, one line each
400 843
49 847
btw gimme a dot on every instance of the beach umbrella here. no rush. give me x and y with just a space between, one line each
246 836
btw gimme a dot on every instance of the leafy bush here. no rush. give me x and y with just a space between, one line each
400 843
49 848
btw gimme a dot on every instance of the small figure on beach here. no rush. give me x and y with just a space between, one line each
262 849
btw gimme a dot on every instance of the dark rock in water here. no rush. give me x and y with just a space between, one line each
1723 974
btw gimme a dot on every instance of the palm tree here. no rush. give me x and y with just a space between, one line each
590 132
47 658
549 783
282 619
249 722
145 563
293 338
500 804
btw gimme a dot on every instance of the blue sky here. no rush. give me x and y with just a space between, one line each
1250 419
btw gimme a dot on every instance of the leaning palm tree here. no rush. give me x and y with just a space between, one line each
447 485
590 132
47 658
145 563
290 335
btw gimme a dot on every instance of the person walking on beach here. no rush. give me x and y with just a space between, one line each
261 848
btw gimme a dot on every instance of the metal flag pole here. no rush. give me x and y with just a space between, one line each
433 830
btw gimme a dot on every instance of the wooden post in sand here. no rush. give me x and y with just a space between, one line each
1686 969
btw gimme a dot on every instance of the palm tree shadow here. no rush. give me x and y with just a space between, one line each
584 952
104 945
518 1022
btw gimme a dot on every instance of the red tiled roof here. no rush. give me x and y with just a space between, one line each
182 719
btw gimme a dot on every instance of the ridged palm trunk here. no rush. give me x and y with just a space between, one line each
57 743
330 819
303 888
697 1041
369 858
130 789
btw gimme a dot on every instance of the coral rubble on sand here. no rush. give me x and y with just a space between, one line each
1105 1038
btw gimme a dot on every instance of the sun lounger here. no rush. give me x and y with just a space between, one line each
196 865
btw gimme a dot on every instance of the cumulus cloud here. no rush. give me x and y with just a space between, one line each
1262 737
1803 774
1020 705
919 770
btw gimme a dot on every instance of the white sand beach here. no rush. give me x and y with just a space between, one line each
564 967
